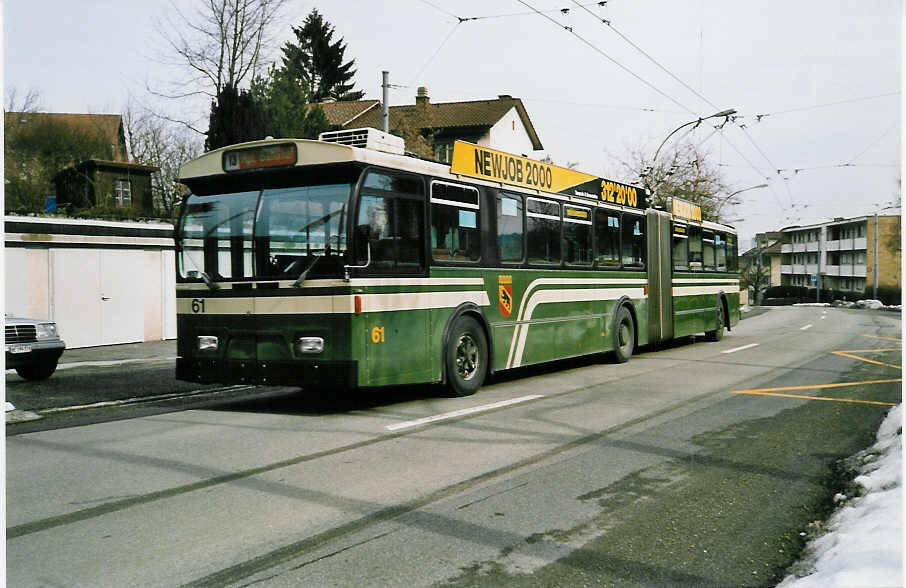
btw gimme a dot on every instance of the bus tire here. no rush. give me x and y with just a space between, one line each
623 335
718 333
466 357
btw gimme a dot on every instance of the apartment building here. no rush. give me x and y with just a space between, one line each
846 255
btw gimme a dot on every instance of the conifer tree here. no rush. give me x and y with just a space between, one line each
316 62
236 117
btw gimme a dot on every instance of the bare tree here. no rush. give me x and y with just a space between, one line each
164 144
222 43
31 102
686 172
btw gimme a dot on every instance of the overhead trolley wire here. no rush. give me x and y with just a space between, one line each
666 70
643 52
441 46
609 58
758 117
491 16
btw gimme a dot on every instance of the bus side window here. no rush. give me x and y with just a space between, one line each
455 218
720 251
543 231
732 254
607 238
510 227
633 239
680 247
390 208
577 236
374 222
695 248
708 251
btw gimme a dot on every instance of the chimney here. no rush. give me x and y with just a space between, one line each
421 97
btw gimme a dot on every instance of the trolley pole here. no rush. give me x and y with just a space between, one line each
385 111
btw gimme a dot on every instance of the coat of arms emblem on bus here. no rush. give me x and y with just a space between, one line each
505 294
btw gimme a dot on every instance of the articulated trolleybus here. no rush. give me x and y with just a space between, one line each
344 263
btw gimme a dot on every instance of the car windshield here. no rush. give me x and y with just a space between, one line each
275 232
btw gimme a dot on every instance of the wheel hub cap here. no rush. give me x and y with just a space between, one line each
466 357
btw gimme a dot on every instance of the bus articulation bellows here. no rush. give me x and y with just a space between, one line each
326 265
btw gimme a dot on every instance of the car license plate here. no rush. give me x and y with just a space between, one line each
18 348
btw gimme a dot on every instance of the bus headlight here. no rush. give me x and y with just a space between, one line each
309 345
207 342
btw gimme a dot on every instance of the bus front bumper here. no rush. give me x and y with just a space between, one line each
305 374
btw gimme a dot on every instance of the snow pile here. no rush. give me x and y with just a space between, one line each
872 304
864 543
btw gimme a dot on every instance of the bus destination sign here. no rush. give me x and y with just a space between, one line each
498 166
685 209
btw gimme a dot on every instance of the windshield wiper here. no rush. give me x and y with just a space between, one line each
208 281
304 274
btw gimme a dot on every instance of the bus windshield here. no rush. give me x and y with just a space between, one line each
276 232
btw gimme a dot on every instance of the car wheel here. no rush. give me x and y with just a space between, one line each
38 371
466 357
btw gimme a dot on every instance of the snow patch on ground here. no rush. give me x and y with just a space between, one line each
864 542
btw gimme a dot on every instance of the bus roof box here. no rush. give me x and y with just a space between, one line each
366 139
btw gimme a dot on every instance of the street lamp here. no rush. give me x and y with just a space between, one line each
726 198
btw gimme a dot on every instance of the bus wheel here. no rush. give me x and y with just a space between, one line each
623 335
466 357
718 333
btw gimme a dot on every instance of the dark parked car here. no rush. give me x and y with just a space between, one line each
33 347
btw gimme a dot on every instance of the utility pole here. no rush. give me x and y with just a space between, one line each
385 111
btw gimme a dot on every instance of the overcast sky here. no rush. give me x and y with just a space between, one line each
788 59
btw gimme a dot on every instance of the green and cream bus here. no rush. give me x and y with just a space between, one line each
345 263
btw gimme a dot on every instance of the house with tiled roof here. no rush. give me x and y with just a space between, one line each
102 176
108 126
500 123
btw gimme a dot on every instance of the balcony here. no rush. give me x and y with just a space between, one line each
798 247
832 270
860 243
786 269
786 248
832 245
798 268
859 271
812 246
811 268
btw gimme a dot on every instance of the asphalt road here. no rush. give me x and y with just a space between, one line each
698 464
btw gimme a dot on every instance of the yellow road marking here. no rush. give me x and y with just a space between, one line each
851 400
885 338
844 354
816 386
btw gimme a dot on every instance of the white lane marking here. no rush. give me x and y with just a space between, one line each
805 328
461 412
749 346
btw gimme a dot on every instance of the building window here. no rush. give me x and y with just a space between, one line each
443 152
122 193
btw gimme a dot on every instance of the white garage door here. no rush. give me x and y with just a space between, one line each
98 296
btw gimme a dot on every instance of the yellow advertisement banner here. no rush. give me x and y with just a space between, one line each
499 166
